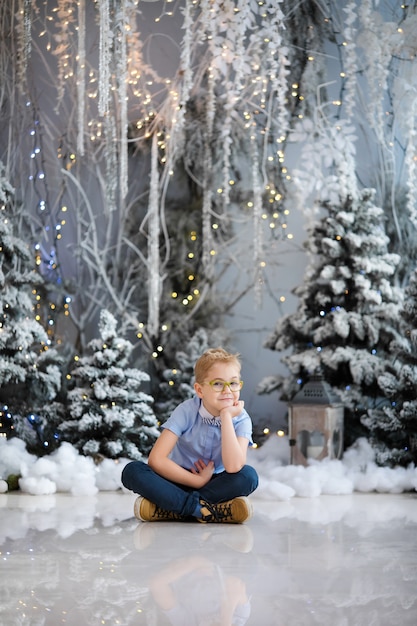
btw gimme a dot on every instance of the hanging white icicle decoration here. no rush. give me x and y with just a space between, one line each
207 183
111 181
121 64
104 57
177 138
257 223
24 37
208 12
351 58
81 76
411 164
153 265
375 59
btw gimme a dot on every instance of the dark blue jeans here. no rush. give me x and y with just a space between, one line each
140 478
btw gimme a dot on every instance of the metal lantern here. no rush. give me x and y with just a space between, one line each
315 418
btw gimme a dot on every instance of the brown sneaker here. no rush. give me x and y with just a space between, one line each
147 511
234 511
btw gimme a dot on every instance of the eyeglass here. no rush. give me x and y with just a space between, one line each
220 385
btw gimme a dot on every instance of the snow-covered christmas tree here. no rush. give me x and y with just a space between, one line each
108 414
349 311
30 373
393 426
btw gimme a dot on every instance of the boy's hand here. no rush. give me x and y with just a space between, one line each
203 471
233 410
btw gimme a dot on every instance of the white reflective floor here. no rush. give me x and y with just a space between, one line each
331 560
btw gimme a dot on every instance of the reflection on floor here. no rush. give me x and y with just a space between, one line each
331 560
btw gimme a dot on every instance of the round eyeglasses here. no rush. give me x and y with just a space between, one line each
220 385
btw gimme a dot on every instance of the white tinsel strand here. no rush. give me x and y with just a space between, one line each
81 76
153 243
207 184
64 18
377 56
111 162
24 42
275 64
104 57
121 64
177 138
239 68
257 222
411 164
351 58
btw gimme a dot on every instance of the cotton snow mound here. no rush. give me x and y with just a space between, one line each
357 471
37 486
65 470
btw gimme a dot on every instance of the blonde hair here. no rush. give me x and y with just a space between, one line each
209 358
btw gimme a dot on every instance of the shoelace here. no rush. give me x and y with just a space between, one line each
220 511
162 514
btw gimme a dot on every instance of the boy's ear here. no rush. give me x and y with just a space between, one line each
198 389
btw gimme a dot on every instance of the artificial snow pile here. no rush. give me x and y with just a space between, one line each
66 470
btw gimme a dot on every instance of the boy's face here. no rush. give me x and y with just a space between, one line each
215 401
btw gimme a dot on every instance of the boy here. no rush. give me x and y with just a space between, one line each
197 467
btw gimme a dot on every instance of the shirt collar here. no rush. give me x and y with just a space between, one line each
207 417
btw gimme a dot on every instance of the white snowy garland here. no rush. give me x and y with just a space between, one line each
411 164
177 138
111 182
350 58
81 76
65 17
273 56
153 261
104 57
121 30
208 18
376 43
257 222
24 38
207 189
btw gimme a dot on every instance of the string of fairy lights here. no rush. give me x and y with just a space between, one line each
45 250
275 217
